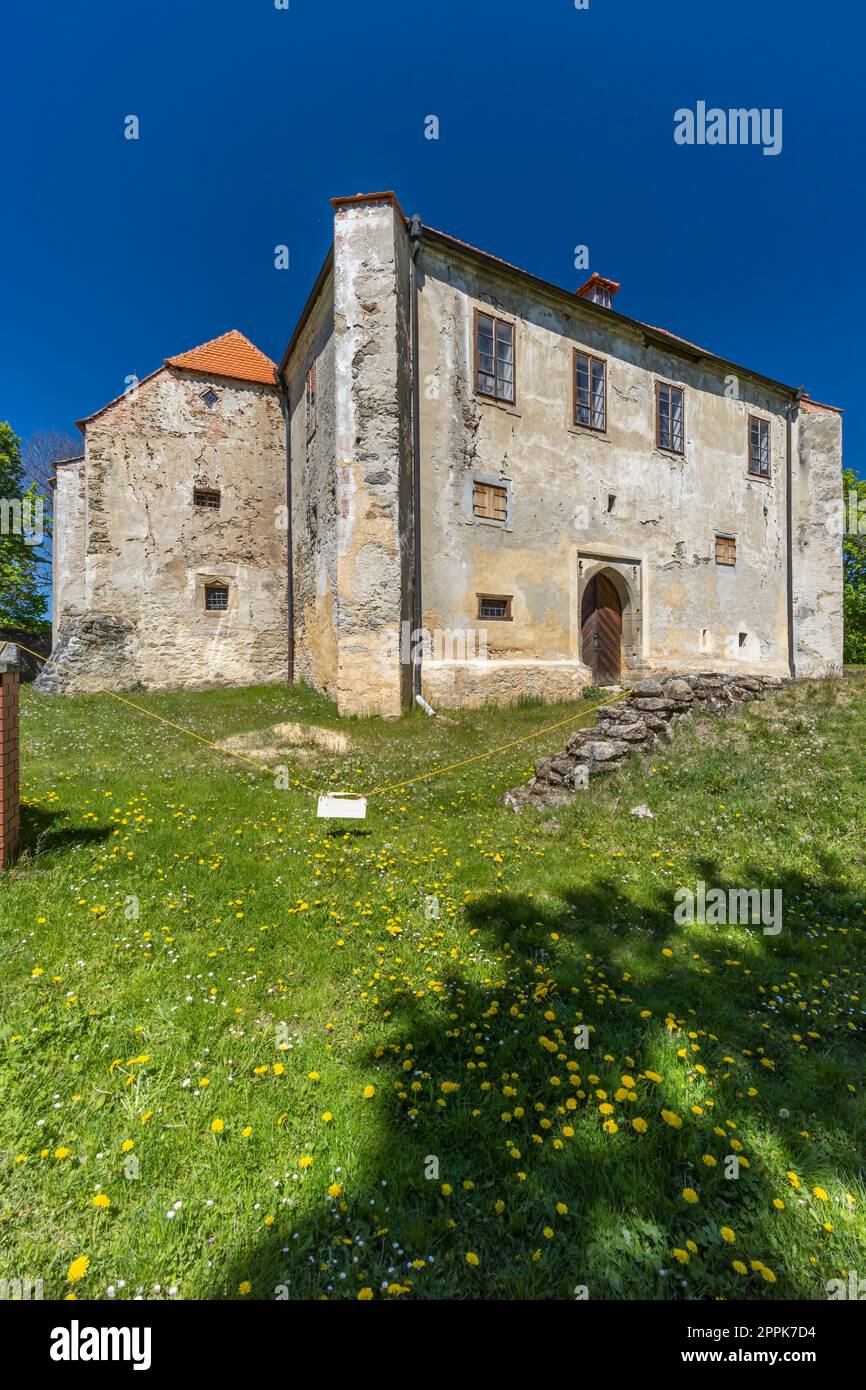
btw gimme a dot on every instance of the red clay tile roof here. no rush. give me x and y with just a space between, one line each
817 407
595 279
231 355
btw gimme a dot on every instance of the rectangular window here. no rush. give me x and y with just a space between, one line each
590 393
759 447
494 358
206 497
216 598
726 550
310 400
495 606
669 417
489 502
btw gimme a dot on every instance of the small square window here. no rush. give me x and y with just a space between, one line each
496 607
206 497
726 550
210 397
216 598
490 502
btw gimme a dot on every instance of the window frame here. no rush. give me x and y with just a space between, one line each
208 588
506 617
198 492
732 540
509 404
750 472
489 487
590 358
310 403
670 448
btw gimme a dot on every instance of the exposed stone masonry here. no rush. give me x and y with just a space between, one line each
644 720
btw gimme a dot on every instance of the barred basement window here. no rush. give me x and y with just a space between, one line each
726 550
206 497
494 358
759 447
216 598
489 502
310 400
590 392
669 417
495 606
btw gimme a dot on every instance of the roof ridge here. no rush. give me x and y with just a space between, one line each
232 354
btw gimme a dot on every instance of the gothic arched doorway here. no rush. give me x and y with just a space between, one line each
601 631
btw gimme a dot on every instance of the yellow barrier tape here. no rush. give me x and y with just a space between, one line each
376 791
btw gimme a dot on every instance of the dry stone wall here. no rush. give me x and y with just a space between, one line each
645 719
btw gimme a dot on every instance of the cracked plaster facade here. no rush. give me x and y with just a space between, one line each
130 548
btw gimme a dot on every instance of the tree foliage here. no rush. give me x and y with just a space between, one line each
23 517
854 560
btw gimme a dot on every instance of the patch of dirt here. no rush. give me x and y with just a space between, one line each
302 739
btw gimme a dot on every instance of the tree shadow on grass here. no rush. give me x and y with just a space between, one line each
42 834
756 1036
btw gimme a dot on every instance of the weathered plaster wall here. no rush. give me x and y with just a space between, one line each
314 488
373 437
149 551
659 534
818 524
68 543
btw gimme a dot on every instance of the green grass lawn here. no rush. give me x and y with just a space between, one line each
247 1030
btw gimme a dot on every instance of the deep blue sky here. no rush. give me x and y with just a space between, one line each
556 128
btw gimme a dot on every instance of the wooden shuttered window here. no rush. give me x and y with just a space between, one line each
726 550
489 502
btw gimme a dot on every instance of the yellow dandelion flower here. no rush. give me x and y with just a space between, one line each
78 1269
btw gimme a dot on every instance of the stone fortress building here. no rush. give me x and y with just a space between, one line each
554 493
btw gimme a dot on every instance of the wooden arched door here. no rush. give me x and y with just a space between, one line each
601 631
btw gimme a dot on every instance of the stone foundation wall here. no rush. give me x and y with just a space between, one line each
91 652
644 719
470 684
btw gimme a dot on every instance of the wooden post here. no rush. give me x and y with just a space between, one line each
10 811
